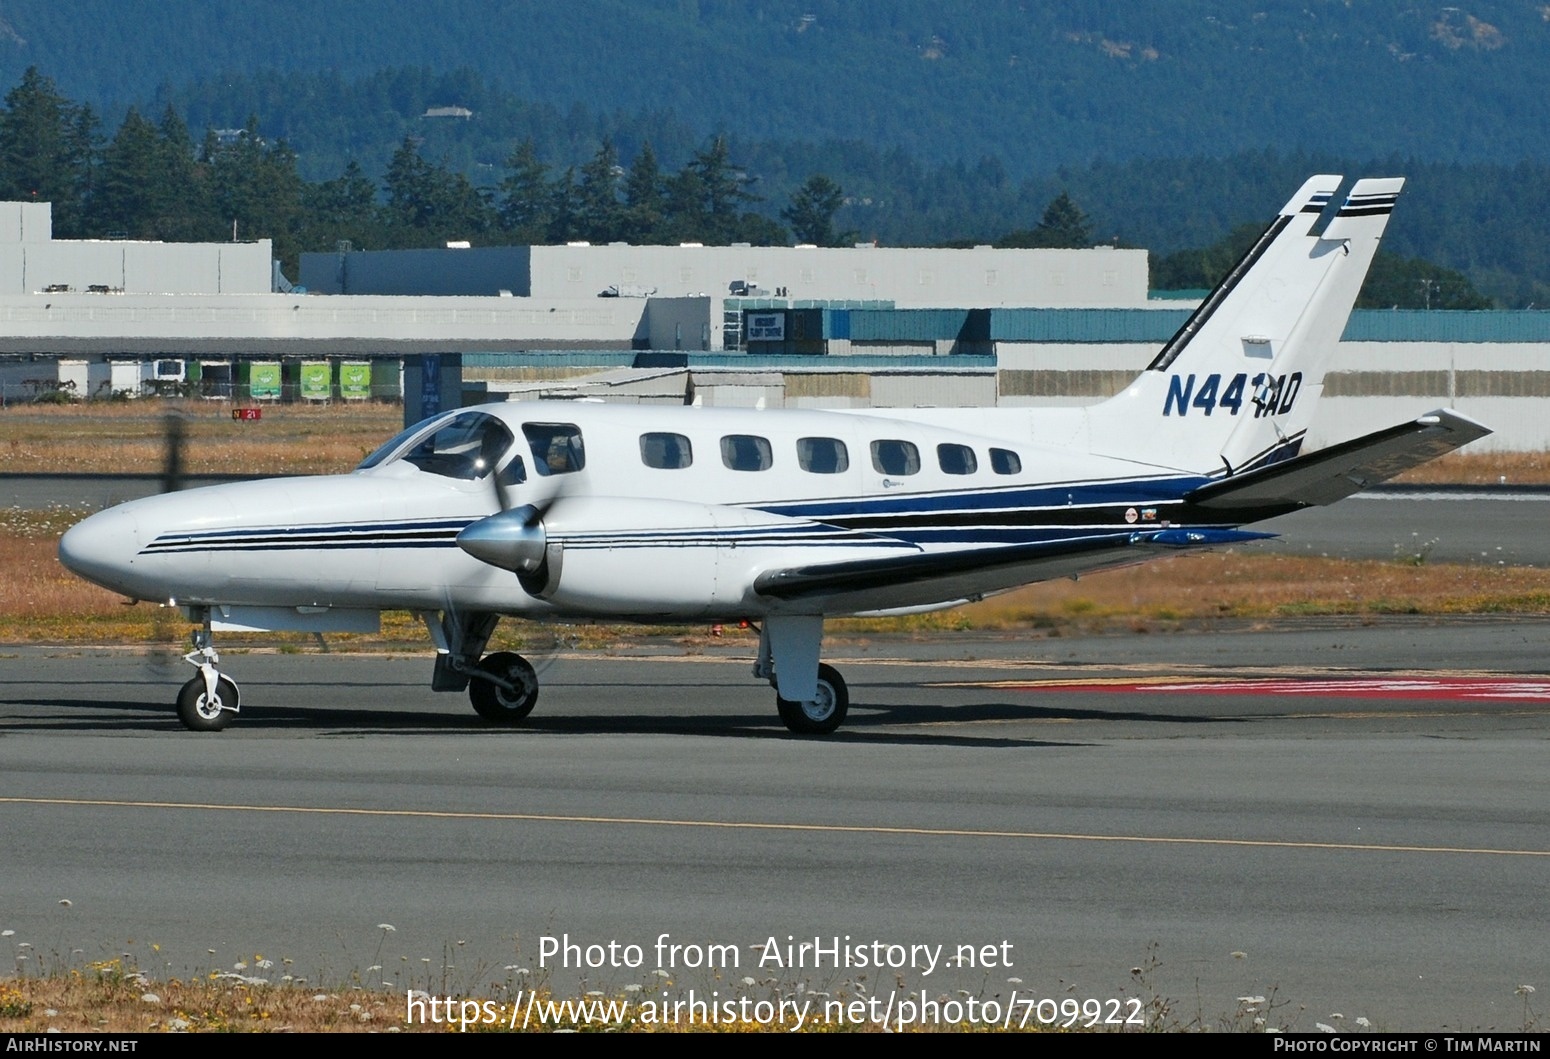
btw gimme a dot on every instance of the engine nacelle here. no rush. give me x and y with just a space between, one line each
616 555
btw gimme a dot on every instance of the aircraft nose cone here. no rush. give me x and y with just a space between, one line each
102 548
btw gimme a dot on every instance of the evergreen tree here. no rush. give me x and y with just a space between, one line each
725 192
348 199
46 143
141 191
256 190
1396 282
645 207
1063 227
341 209
427 203
812 210
599 215
562 208
684 201
1203 268
527 198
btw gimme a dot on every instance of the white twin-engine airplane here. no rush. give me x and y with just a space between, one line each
780 517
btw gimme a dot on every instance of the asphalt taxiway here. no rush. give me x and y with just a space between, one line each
1354 825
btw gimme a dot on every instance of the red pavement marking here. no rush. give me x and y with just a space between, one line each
1487 688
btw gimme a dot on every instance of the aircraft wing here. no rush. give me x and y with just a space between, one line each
924 578
1335 473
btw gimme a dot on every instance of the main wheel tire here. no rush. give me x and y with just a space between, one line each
493 702
199 713
823 714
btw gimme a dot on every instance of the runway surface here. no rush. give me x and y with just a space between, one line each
1374 845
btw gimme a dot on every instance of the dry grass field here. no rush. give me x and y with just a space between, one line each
128 437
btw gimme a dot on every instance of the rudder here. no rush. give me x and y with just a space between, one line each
1236 385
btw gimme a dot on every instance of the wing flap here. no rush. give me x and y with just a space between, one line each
1335 473
927 577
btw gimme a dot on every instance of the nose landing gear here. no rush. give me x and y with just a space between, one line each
208 702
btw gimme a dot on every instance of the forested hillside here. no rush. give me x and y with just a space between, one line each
1035 84
907 122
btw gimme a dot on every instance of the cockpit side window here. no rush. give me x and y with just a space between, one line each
392 445
557 447
468 446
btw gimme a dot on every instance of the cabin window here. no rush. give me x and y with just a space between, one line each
514 473
746 452
956 459
1005 461
666 452
468 446
822 455
895 457
557 447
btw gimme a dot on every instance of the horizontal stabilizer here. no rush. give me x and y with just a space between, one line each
1335 473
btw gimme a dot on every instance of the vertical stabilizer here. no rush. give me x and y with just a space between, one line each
1236 386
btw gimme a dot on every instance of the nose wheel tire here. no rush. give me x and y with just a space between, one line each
495 703
201 713
822 714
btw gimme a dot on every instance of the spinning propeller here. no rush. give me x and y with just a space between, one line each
515 538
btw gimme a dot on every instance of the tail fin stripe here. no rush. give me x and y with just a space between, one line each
1369 205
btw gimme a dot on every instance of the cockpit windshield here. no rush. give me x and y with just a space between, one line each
469 446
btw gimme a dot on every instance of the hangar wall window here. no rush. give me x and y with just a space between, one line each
746 452
956 459
666 452
557 447
895 457
823 455
1005 461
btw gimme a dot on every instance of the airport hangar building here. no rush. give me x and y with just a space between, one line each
740 325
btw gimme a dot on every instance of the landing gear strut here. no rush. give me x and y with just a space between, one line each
503 686
788 652
208 702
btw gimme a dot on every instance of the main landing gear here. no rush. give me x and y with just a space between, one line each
503 686
788 658
822 713
810 696
209 701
